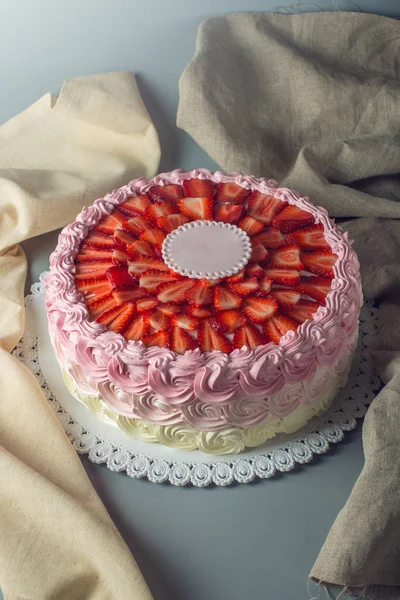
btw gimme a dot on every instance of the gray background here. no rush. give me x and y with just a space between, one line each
254 541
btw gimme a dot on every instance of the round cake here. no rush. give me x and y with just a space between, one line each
204 310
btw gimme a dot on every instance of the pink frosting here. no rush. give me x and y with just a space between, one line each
206 390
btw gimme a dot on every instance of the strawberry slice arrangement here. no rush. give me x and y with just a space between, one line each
127 286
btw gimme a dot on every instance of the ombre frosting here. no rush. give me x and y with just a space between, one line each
206 391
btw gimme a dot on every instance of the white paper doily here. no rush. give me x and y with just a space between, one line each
159 464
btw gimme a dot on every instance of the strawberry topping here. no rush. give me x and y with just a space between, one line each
174 291
259 310
197 208
303 310
209 339
292 218
199 294
228 213
264 207
288 277
250 225
276 327
181 341
227 321
309 238
286 257
315 287
225 299
245 287
135 206
248 335
197 188
170 192
320 262
185 322
231 192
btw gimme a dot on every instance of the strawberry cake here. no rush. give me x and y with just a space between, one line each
204 310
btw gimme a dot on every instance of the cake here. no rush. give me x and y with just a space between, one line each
204 310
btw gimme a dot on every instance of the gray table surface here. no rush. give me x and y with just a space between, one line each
255 541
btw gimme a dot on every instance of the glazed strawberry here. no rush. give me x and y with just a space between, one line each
238 277
197 208
140 247
123 238
254 270
93 254
158 251
157 320
160 338
231 192
250 225
128 294
303 310
228 213
94 287
152 278
120 257
92 269
171 222
198 311
101 306
199 294
90 301
320 262
181 341
96 239
246 287
286 257
292 218
276 327
198 188
209 283
136 225
259 253
185 322
161 209
136 329
264 286
286 298
107 317
289 277
153 236
271 237
264 207
110 223
135 206
309 238
140 264
227 321
174 292
169 309
145 304
170 192
248 336
315 287
259 310
122 321
209 339
119 276
225 299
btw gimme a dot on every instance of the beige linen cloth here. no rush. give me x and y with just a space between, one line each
313 100
56 539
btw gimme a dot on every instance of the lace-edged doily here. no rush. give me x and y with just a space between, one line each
181 468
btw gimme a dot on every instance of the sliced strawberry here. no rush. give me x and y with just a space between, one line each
170 309
94 286
238 277
227 321
198 311
101 306
92 269
250 225
123 238
288 277
292 218
254 270
315 287
160 338
198 188
140 247
136 225
225 299
110 223
320 262
303 310
309 238
197 208
259 310
119 276
157 320
145 304
209 283
264 207
93 254
209 339
107 317
135 206
120 257
158 251
271 237
199 294
228 213
265 285
160 209
259 253
96 239
181 341
90 301
276 327
171 222
246 287
140 264
153 236
174 292
286 257
123 319
231 192
185 322
128 294
137 329
152 278
249 336
170 192
286 298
